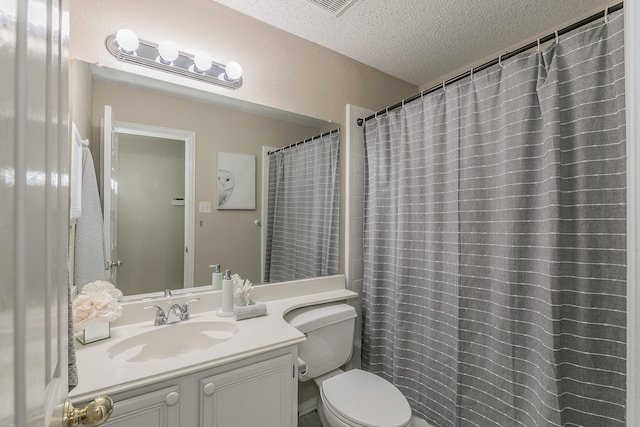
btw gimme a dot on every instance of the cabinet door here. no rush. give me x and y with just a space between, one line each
158 408
256 395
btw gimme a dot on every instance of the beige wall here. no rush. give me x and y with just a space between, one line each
81 99
229 238
150 228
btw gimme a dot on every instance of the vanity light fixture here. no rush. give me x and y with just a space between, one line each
165 56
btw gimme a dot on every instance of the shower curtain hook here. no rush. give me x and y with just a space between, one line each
422 95
500 61
444 86
403 103
538 46
387 111
471 74
557 38
606 15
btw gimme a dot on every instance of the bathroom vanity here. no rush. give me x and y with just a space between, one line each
257 391
206 371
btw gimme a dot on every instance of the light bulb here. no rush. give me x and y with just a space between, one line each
168 51
233 71
202 61
127 40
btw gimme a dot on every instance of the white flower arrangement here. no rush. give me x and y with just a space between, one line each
242 291
96 301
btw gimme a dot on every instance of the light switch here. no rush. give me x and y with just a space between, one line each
204 207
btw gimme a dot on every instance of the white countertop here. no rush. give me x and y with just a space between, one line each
100 374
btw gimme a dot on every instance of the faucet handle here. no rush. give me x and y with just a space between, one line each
161 319
185 308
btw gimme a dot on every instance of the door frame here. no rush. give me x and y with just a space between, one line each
189 139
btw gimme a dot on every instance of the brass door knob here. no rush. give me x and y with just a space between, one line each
94 413
112 264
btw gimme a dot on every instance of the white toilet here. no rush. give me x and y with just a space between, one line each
347 399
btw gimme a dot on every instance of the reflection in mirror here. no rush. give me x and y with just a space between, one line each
231 238
151 180
303 210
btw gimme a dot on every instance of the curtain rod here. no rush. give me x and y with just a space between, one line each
499 59
303 141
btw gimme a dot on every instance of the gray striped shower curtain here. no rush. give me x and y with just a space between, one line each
495 237
303 210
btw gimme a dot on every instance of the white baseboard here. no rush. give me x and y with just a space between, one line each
305 407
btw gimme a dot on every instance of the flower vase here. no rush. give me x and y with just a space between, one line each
95 330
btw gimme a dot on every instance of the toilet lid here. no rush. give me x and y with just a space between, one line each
366 399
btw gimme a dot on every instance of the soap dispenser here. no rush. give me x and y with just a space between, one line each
227 296
216 277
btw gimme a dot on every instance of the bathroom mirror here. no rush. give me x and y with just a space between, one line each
231 238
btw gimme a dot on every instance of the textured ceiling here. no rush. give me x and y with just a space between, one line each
418 40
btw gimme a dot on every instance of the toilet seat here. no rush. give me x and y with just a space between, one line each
361 399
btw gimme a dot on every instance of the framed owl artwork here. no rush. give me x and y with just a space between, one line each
236 181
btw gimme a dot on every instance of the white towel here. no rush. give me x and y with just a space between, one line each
90 261
249 311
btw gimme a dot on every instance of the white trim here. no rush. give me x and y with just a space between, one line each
75 180
632 95
189 138
354 216
307 407
105 161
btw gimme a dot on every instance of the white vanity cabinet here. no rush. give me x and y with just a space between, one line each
256 395
256 391
156 408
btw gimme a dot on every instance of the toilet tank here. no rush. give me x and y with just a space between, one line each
329 329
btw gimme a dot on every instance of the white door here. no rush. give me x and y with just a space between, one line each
34 212
110 193
34 144
111 130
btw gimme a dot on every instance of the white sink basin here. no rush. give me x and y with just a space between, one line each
172 340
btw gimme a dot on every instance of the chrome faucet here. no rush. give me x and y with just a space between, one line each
181 311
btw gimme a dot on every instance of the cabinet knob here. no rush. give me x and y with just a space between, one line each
209 389
172 398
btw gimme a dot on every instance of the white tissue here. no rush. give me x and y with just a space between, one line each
302 368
